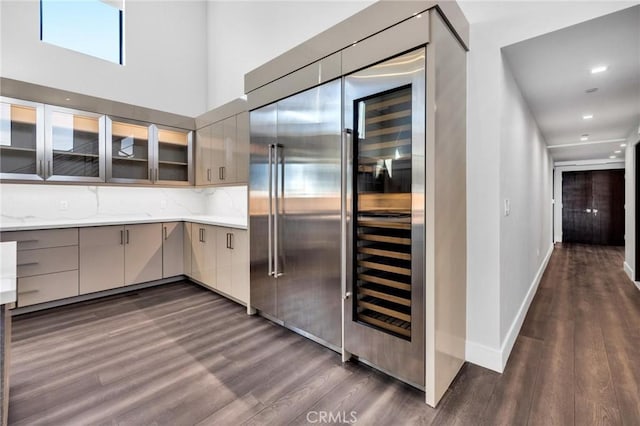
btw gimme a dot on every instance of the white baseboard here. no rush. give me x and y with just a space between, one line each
483 356
516 325
496 359
629 270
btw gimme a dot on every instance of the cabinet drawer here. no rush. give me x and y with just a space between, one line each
46 261
45 288
28 240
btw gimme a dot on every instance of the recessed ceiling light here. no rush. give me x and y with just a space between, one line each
419 16
612 156
593 89
587 116
622 145
599 69
584 137
67 99
617 151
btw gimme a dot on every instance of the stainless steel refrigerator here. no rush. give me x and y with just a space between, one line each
295 212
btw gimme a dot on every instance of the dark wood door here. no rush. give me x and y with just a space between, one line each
593 207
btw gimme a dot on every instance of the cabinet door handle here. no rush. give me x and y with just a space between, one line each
209 175
28 264
49 170
28 292
221 173
230 240
127 231
40 168
157 175
121 237
165 232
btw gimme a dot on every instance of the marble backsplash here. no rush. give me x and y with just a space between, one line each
23 203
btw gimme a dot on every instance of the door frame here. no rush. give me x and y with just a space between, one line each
574 166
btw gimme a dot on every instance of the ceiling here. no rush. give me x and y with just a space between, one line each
553 72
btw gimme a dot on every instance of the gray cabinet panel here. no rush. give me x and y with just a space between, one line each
29 240
203 260
45 288
143 253
187 243
172 249
240 265
217 152
47 260
101 258
223 260
242 148
203 155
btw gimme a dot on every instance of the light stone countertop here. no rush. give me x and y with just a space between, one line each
8 272
32 224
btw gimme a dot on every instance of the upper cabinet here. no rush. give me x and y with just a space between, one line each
222 154
173 156
74 145
54 144
129 151
144 153
21 140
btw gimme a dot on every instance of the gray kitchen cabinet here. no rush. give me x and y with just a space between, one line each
224 255
47 264
115 256
101 258
172 249
222 151
223 155
203 257
186 248
242 147
204 138
240 264
142 253
232 263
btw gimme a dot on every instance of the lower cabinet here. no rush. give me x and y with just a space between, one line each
203 254
55 264
101 258
47 264
172 249
232 272
142 253
114 256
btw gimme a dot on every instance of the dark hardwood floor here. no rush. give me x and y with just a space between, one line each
181 355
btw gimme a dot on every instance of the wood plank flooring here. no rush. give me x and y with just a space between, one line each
181 355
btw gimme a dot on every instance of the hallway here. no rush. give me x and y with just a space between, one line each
178 354
582 337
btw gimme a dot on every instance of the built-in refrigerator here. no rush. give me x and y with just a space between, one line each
357 196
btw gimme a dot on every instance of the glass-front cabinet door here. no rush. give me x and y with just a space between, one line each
128 151
74 144
21 139
172 156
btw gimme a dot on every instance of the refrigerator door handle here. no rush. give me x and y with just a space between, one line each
347 138
276 213
270 211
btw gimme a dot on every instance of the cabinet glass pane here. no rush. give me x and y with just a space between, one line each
129 151
173 155
75 141
18 139
383 211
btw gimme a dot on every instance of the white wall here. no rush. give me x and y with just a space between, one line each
526 170
243 35
567 166
630 204
165 56
493 26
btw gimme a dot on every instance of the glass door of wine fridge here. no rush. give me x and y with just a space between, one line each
385 140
